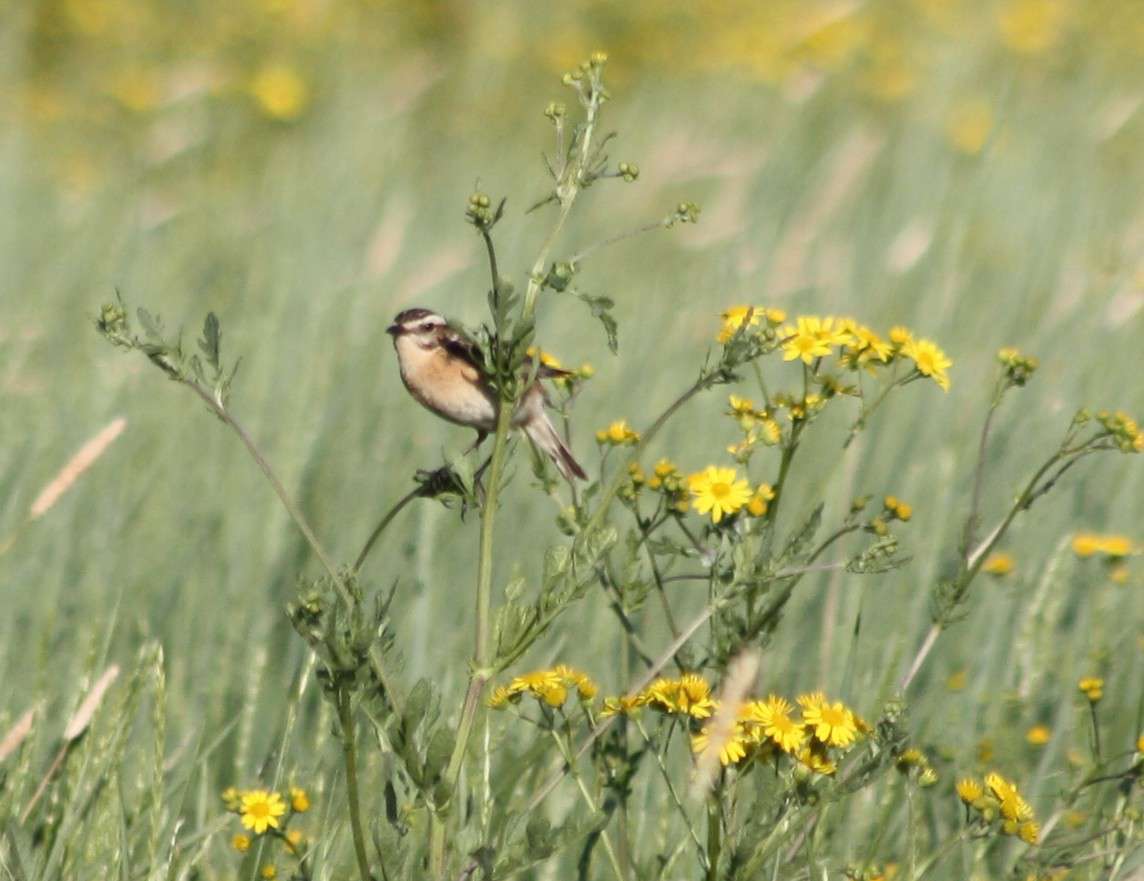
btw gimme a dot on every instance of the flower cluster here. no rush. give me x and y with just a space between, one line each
1092 687
664 480
758 426
766 728
1123 429
566 378
1088 544
737 318
812 338
915 763
549 687
264 812
618 434
1019 367
998 799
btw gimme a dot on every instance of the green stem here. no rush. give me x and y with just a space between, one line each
380 528
674 795
590 802
714 835
349 755
482 655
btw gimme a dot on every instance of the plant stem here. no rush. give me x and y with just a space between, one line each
714 834
381 526
674 795
349 755
482 655
589 801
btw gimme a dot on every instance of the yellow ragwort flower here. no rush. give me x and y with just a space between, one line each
1013 806
929 361
813 756
718 491
807 339
622 705
232 799
900 336
830 723
261 810
1029 832
1038 735
280 92
585 687
732 745
969 790
773 716
500 697
618 434
689 695
735 317
764 494
1092 687
269 871
999 564
241 842
294 840
299 800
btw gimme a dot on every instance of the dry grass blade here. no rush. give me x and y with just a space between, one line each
82 717
87 456
741 675
17 734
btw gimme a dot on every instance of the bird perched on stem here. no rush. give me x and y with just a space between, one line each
440 368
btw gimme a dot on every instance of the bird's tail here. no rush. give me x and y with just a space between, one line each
542 433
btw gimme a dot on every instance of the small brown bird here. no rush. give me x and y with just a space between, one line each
439 367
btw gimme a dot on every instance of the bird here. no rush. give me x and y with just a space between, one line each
439 366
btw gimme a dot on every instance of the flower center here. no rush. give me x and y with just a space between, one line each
259 810
720 490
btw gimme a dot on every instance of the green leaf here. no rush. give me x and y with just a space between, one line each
212 338
437 753
799 543
152 324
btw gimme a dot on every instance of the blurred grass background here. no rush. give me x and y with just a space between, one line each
971 169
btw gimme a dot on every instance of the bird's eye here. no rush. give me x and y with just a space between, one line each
428 326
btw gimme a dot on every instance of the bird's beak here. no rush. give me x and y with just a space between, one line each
393 329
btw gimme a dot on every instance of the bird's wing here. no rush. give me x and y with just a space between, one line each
459 345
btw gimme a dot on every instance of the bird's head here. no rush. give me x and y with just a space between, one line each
418 325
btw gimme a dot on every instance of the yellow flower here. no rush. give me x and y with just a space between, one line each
1092 687
585 687
294 840
1029 832
735 317
622 705
690 695
1038 735
901 336
808 340
813 756
866 346
969 126
757 506
732 745
280 92
929 360
500 697
1085 544
774 719
1116 546
232 799
999 564
956 680
718 491
1013 807
1140 744
268 871
619 434
299 800
1118 574
547 359
1031 26
241 842
969 790
832 724
261 810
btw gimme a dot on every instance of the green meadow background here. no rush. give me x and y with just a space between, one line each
974 170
